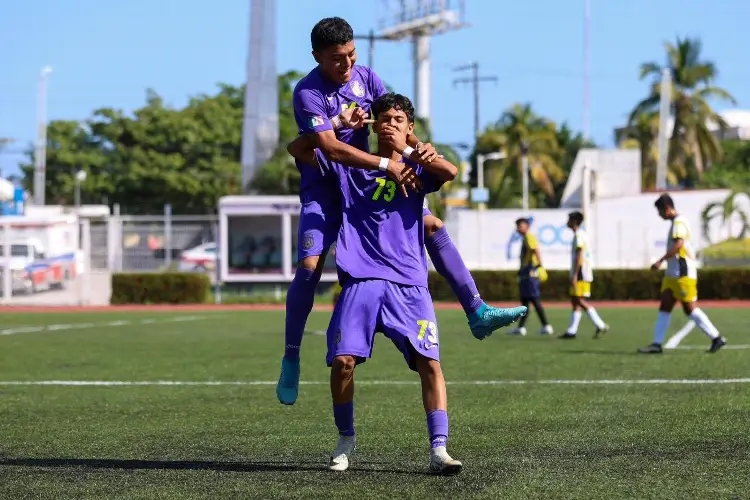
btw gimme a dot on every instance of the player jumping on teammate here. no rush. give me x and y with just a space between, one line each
680 281
381 258
323 102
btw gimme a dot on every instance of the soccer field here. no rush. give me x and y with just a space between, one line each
182 405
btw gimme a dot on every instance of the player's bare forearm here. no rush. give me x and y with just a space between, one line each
303 149
343 153
535 252
412 140
673 250
439 167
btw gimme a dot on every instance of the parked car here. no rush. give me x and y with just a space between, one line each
199 259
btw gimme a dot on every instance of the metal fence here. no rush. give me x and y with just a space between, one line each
147 243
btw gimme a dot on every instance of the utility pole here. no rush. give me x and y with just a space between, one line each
371 38
475 79
40 152
480 195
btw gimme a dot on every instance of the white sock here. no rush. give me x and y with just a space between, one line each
595 318
660 328
704 323
575 319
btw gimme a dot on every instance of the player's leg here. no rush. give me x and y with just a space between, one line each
666 304
317 231
408 319
521 328
585 293
689 298
349 337
483 319
575 315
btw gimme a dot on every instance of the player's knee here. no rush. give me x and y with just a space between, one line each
688 308
432 225
428 368
343 367
310 262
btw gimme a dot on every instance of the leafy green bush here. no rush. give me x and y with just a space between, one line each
609 284
160 288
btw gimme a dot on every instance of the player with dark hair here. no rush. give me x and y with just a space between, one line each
380 255
530 276
331 105
581 277
680 281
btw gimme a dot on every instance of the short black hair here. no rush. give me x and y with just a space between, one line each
522 220
330 32
664 201
576 217
393 101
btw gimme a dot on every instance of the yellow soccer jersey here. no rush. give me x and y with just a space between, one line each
682 265
581 241
528 257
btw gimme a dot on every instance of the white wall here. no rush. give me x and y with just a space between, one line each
624 232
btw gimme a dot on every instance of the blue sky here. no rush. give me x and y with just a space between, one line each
107 53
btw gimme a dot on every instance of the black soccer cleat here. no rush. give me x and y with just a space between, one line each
601 331
717 344
651 349
567 335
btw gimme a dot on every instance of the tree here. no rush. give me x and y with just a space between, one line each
520 129
733 170
726 210
692 146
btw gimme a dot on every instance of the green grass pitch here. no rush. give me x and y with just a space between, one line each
524 436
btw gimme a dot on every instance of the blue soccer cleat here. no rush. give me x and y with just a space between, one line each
288 386
487 319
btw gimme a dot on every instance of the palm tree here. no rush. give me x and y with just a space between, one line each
519 132
726 210
692 144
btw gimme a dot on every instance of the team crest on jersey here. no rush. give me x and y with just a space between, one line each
308 241
358 89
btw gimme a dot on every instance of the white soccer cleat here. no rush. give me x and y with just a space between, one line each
519 330
344 450
442 463
546 330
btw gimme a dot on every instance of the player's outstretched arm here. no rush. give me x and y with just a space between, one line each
439 166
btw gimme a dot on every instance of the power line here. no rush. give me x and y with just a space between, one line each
475 79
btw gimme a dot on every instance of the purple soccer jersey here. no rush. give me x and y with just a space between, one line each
316 101
382 235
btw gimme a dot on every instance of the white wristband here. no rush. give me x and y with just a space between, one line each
336 122
408 150
383 164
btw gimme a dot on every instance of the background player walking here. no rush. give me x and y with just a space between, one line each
581 277
680 281
530 276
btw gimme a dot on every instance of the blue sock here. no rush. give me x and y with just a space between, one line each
437 427
343 415
450 265
299 302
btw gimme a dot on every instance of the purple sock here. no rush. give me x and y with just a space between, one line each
343 415
450 265
299 303
437 426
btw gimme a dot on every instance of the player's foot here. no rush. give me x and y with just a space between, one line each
442 463
717 344
343 452
288 386
547 330
487 319
600 331
567 335
651 349
519 330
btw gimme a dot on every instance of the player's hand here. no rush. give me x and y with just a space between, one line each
656 265
355 118
573 282
393 137
427 153
405 177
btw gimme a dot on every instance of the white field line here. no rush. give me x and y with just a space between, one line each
705 347
104 324
141 383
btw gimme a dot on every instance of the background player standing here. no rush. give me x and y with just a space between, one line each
680 281
320 100
530 276
581 277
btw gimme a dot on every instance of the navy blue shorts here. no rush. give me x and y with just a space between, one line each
529 288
